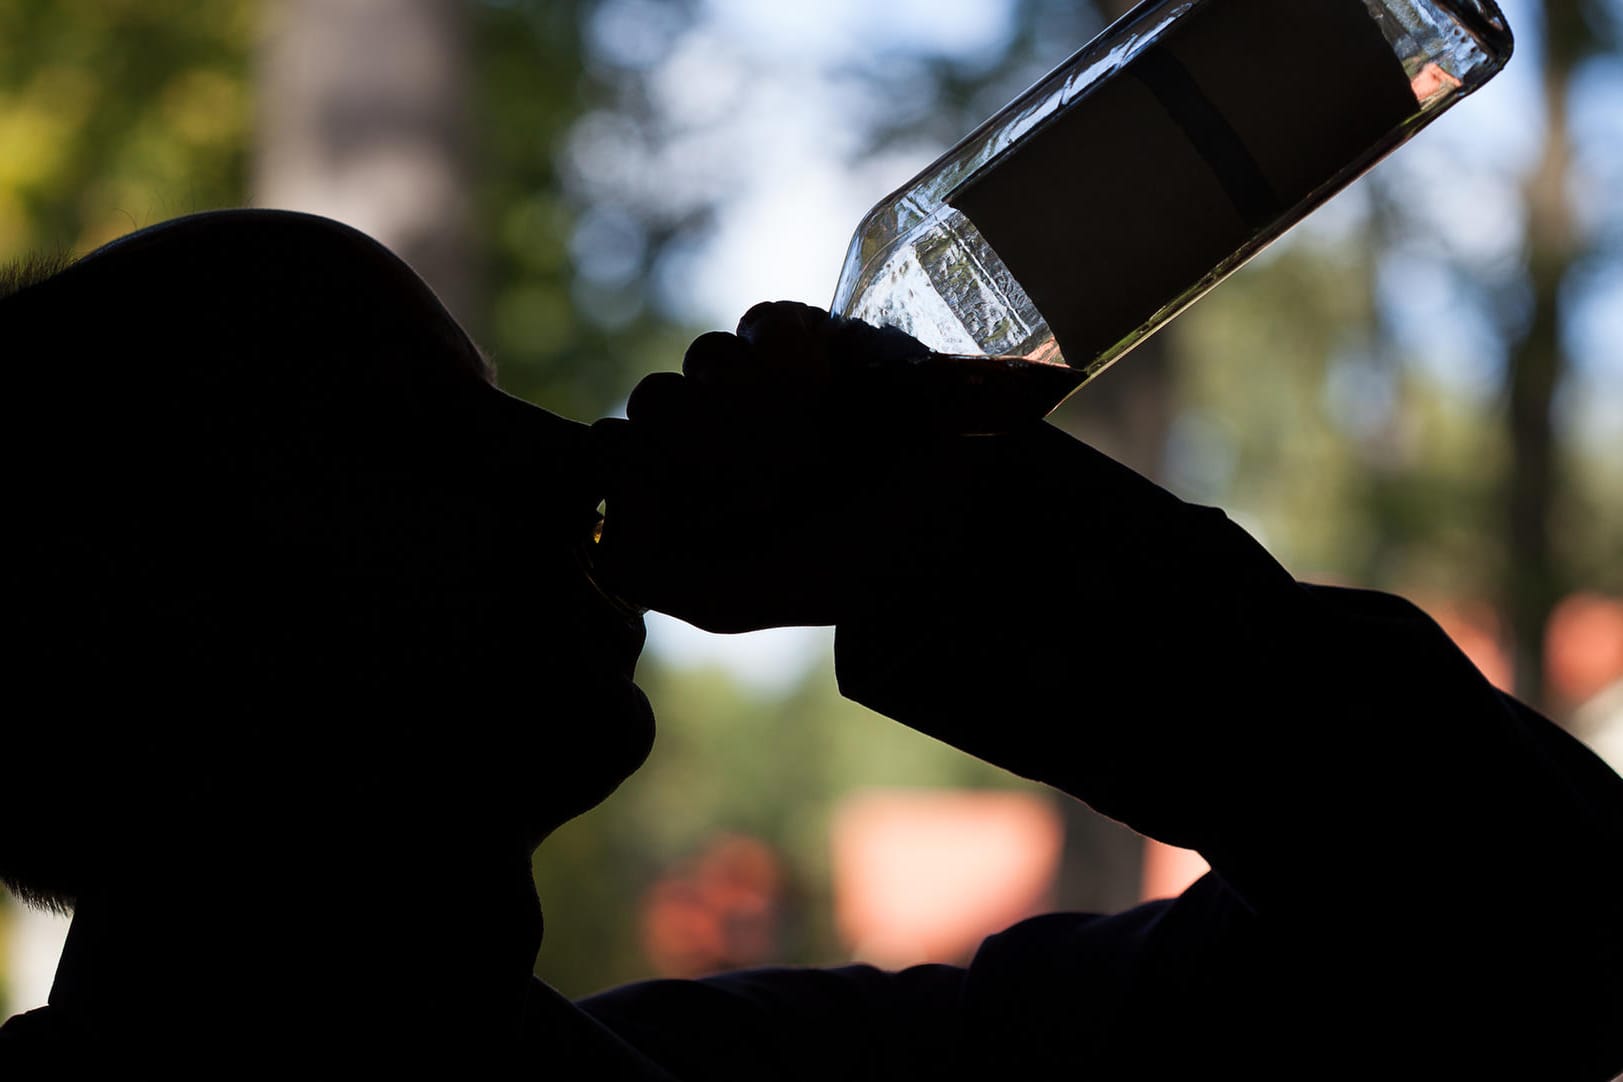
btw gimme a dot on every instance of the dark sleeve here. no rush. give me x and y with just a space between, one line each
1414 875
854 1023
1404 858
1063 996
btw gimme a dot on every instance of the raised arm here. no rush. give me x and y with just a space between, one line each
1404 859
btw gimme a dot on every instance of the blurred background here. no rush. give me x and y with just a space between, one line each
1420 390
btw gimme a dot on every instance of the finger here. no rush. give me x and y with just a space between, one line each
789 344
861 344
780 318
663 395
719 358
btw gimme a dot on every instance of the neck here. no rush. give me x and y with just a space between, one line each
365 960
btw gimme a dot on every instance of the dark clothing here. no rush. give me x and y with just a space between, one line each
1414 875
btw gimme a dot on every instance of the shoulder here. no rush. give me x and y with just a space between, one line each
28 1026
851 1022
33 1035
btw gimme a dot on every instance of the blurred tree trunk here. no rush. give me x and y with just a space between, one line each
1532 581
363 117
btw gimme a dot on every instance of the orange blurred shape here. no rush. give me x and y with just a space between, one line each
681 935
718 911
1583 646
1477 630
925 875
1430 81
1168 870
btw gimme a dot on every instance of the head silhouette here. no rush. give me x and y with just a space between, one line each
285 573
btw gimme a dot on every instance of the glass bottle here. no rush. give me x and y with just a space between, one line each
1141 172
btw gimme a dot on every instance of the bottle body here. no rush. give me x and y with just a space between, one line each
1152 164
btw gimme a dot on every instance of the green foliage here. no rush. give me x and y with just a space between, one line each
1405 501
727 760
115 114
571 345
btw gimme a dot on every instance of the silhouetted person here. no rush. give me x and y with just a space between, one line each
305 660
301 662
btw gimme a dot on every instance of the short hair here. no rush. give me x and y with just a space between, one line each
31 270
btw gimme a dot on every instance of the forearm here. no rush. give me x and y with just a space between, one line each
1037 626
1347 772
1165 668
1343 767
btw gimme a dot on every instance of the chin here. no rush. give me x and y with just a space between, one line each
608 741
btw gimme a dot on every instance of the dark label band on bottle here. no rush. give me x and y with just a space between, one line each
1136 192
1210 133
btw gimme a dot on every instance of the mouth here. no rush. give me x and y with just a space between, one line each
614 629
585 556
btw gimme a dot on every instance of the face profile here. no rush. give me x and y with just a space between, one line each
279 534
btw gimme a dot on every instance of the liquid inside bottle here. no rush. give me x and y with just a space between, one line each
945 285
1144 170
